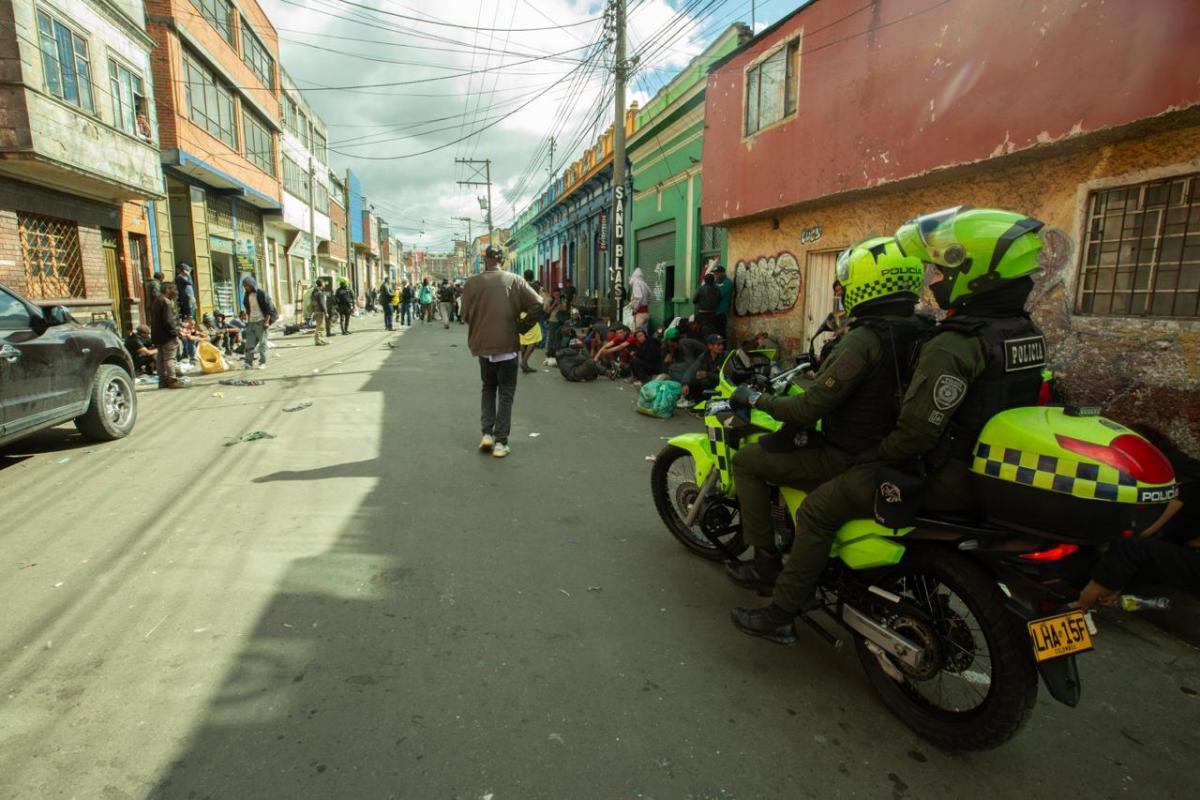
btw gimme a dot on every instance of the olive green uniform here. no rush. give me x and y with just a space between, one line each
948 363
857 355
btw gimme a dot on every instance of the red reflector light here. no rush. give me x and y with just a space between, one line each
1128 453
1053 554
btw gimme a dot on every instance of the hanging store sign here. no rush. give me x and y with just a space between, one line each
618 243
301 246
603 231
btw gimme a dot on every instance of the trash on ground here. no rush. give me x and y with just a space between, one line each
595 589
63 460
253 436
144 380
218 394
564 591
556 737
26 564
534 435
649 458
241 382
57 585
298 406
315 371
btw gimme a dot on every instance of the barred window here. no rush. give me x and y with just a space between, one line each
257 57
259 142
1141 252
321 199
209 101
50 252
128 100
319 147
295 179
220 14
65 63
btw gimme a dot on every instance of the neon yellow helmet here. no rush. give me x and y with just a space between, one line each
877 268
977 249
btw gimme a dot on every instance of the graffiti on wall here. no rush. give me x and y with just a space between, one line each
766 285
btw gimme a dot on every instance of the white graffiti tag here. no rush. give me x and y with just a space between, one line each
766 285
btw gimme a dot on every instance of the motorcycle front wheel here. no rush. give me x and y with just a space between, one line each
978 683
673 485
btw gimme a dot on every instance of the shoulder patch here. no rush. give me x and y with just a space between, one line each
948 391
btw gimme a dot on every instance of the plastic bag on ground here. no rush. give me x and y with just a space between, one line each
657 398
211 360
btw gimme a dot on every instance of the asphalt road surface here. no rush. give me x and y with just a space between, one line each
367 607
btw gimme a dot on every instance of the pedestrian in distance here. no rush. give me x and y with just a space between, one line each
446 300
344 300
386 290
707 300
497 307
186 290
639 299
164 334
260 313
406 304
320 309
331 312
725 287
425 301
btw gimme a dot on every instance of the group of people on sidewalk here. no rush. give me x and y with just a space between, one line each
325 304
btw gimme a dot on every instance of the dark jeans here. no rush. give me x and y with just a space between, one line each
388 310
498 377
1148 561
406 313
645 370
344 319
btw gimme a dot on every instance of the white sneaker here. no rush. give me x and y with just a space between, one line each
261 366
500 450
487 442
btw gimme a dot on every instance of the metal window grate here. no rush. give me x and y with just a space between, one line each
1141 252
50 250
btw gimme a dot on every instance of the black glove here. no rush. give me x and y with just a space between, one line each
744 397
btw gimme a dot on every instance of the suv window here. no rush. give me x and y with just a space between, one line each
14 315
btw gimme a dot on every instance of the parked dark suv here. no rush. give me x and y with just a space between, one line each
52 369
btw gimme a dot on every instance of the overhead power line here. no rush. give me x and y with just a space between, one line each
425 21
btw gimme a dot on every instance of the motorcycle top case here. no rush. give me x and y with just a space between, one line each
1080 477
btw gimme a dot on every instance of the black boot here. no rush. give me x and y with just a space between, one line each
770 622
759 573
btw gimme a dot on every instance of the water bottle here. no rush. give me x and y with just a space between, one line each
1131 602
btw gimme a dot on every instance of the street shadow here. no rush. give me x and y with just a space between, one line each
351 469
63 438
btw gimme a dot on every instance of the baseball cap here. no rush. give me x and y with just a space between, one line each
671 333
714 338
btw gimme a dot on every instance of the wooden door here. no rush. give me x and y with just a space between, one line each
110 243
818 289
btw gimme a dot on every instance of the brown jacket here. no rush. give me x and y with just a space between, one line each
492 302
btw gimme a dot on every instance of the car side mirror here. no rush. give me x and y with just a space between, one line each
56 315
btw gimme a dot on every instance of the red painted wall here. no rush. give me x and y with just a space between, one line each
903 87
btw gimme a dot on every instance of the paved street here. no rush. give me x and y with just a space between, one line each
366 607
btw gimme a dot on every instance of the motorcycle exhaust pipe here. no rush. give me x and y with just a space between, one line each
706 487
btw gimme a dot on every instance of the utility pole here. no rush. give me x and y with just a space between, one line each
470 238
621 68
752 10
550 168
476 173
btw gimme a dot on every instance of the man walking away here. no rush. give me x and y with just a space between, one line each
186 290
164 333
492 304
385 299
260 313
406 304
725 287
446 299
320 307
425 298
344 299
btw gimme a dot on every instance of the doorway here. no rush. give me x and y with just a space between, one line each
819 273
110 243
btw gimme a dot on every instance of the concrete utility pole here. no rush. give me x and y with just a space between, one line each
312 217
621 68
550 168
470 238
476 173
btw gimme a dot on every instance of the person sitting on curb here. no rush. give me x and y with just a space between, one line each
141 350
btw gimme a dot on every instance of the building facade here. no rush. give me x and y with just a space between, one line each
333 254
79 164
666 240
217 95
813 144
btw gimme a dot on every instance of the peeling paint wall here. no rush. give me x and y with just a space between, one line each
1140 369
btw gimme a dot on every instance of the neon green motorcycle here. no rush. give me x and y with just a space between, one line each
953 619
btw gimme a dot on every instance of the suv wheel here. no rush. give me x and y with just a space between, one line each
112 409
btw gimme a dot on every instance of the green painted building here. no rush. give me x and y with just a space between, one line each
666 239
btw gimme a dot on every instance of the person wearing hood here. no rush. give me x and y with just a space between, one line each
260 313
639 299
343 299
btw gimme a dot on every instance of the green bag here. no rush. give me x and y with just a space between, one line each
658 398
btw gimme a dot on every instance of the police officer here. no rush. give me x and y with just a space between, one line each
984 357
856 394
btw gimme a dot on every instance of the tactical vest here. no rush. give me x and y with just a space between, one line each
870 413
1015 350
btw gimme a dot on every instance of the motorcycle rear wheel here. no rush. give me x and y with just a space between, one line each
956 591
672 481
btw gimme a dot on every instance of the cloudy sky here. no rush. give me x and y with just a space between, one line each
389 79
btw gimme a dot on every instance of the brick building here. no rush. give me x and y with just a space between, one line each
333 253
844 120
78 159
217 95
